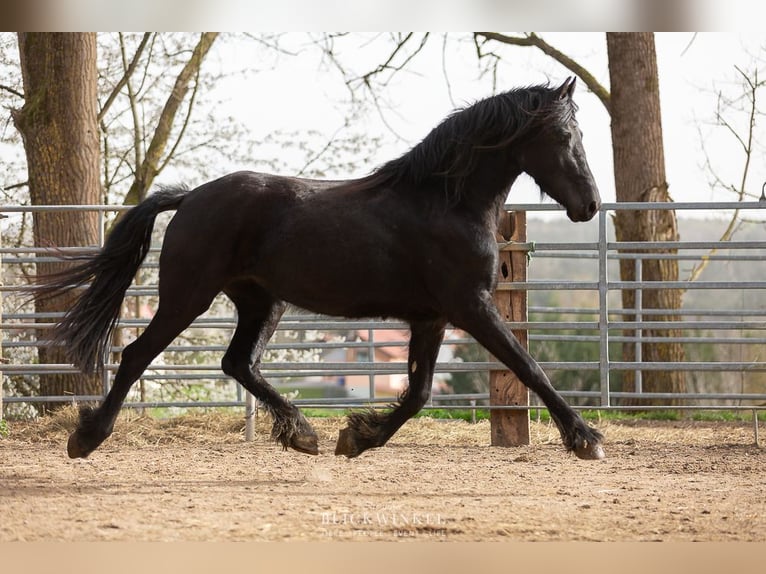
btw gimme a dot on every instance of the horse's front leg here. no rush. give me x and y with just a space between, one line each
481 319
372 429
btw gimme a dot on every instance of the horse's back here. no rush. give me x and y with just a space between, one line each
239 202
223 226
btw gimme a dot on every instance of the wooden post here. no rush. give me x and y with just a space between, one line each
510 427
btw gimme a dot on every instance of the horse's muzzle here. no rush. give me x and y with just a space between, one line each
585 212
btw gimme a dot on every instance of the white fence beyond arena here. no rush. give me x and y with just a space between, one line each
334 352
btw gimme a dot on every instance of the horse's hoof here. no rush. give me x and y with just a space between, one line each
73 447
305 443
590 451
346 444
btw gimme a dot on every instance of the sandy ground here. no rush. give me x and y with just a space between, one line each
194 478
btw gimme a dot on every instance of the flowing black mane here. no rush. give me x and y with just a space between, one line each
451 149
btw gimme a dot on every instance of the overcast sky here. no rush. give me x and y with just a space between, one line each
298 93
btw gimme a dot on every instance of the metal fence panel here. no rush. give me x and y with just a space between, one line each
341 363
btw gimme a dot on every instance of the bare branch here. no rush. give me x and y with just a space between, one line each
444 70
689 45
327 46
10 90
388 64
16 185
270 42
747 146
138 135
184 125
128 72
724 122
533 39
115 178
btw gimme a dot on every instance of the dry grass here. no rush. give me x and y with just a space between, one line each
217 427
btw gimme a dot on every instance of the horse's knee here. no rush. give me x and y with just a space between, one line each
228 366
133 361
235 368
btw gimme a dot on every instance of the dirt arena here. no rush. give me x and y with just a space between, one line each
194 478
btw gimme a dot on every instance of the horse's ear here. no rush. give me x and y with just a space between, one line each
567 88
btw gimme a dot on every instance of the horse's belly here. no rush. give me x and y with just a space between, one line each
351 291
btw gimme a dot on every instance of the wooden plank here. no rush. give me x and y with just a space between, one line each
511 427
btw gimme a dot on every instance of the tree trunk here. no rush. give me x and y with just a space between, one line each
59 126
639 170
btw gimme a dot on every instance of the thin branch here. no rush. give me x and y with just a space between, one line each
150 58
388 64
689 45
272 43
11 91
184 124
148 169
114 179
201 144
747 145
753 97
316 156
444 71
138 135
327 46
533 39
494 58
16 185
128 72
723 122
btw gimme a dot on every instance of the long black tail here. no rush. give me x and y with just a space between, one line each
85 330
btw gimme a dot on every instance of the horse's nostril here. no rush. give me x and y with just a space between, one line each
593 207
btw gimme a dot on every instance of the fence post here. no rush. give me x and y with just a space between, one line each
603 309
510 427
250 409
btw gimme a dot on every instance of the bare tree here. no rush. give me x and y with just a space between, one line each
744 104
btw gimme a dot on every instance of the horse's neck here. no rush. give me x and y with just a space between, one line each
486 189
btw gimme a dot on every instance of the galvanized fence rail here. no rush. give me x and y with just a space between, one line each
336 351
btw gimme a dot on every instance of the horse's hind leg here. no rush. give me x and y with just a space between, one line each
258 316
96 424
371 429
481 319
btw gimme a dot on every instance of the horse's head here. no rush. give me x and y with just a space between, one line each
555 158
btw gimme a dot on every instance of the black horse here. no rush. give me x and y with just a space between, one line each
414 240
